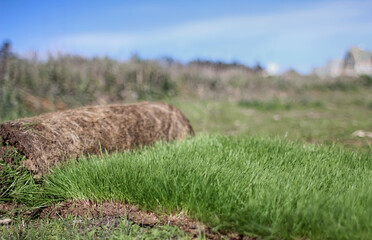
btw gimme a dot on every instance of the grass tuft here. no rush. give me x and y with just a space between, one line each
264 187
16 183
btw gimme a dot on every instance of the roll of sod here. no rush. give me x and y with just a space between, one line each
48 139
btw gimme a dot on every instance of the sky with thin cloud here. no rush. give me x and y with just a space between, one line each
290 34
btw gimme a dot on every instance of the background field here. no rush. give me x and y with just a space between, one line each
217 97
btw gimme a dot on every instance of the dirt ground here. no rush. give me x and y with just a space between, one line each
107 211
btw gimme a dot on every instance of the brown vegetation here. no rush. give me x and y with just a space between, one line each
107 211
91 210
51 138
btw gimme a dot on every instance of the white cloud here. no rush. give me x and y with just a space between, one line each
272 68
290 28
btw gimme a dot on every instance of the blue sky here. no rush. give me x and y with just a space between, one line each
292 34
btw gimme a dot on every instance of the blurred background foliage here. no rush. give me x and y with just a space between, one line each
228 98
32 86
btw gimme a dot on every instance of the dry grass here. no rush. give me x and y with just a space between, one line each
50 138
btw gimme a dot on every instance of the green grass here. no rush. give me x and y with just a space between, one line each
263 187
76 228
14 179
316 117
276 104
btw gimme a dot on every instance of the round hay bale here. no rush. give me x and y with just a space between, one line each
51 138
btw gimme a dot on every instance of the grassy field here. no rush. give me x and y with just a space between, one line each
321 117
285 162
281 173
255 186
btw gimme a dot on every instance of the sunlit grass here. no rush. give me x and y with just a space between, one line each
253 186
327 119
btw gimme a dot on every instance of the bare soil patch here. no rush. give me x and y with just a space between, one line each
91 210
8 208
48 139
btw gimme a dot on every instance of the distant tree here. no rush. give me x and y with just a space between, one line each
258 68
168 61
135 57
4 59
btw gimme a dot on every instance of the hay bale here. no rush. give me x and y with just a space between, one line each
48 139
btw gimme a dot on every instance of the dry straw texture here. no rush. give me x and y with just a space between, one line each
54 137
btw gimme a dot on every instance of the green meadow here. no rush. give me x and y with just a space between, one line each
254 186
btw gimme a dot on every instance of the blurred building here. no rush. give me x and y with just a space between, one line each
355 63
333 68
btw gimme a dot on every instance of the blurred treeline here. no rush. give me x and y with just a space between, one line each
31 85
